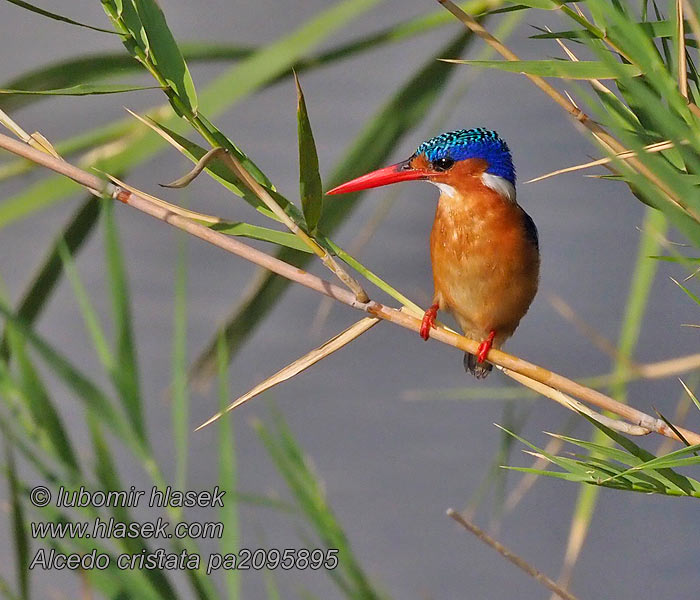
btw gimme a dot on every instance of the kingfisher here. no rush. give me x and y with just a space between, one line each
484 247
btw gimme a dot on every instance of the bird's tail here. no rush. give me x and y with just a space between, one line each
479 370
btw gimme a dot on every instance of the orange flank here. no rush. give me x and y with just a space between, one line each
485 268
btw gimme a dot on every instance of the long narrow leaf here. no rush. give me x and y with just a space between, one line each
165 53
555 68
56 16
83 387
228 475
19 526
82 89
127 373
40 405
310 187
74 235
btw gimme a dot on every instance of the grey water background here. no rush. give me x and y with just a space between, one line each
391 467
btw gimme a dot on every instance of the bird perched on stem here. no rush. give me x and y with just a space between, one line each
483 246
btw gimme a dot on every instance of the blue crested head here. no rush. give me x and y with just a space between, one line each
472 143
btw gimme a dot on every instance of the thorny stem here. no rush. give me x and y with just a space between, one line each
509 362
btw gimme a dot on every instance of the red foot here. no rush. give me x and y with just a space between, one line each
428 321
484 348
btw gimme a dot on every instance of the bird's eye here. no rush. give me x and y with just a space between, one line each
442 164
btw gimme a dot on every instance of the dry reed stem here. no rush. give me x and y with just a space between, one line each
692 17
35 140
625 155
398 317
300 364
682 61
506 553
608 142
575 405
656 370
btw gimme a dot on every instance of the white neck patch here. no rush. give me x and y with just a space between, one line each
448 190
500 185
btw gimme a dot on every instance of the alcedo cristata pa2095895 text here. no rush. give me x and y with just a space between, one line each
483 247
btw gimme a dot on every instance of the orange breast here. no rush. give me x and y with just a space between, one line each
485 266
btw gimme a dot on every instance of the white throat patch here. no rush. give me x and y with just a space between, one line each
500 185
448 190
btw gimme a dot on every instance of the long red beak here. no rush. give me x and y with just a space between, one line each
393 174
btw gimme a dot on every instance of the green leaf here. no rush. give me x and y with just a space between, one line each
127 371
57 17
603 450
310 186
308 491
74 235
228 475
540 4
83 89
90 317
37 196
109 479
165 53
84 68
19 528
100 66
557 68
83 387
690 294
256 232
676 259
654 29
39 403
690 393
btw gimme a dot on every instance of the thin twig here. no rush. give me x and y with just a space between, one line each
398 317
506 553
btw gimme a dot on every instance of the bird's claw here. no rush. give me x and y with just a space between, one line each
428 321
484 348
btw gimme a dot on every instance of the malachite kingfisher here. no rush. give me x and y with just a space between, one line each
484 247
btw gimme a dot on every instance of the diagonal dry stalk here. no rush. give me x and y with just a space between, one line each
299 365
625 155
549 382
506 553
